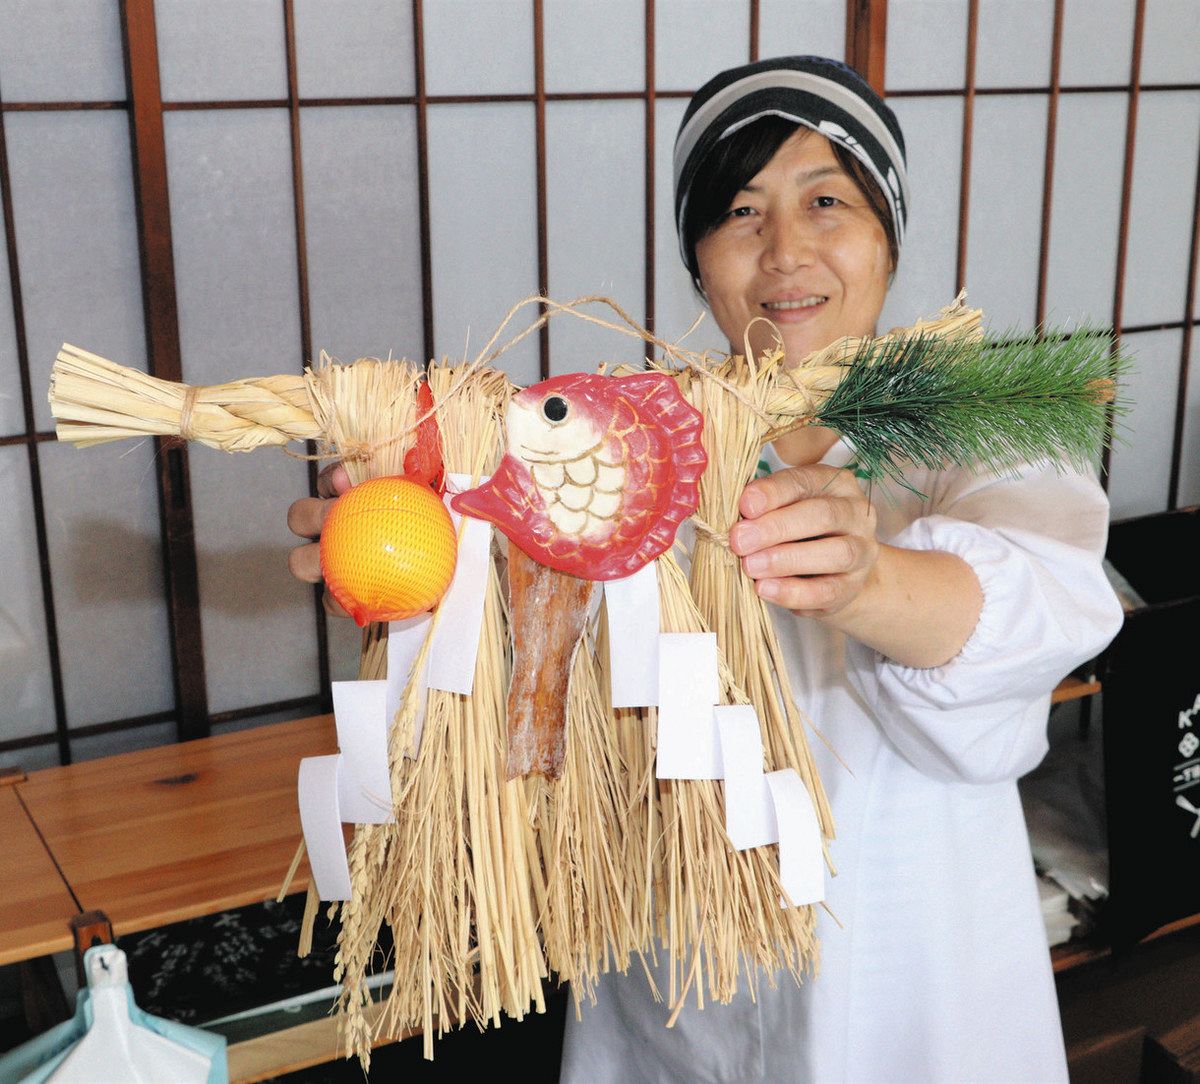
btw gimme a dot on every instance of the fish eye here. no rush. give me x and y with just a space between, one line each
554 408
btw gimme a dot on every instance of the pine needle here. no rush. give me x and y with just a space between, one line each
989 405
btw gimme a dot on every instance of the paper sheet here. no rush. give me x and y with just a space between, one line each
364 781
801 861
688 689
455 646
749 811
321 822
404 643
633 631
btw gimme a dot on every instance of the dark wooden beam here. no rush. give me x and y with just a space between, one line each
163 356
650 77
866 39
968 140
543 243
1135 79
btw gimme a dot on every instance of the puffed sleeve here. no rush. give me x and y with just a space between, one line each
1036 545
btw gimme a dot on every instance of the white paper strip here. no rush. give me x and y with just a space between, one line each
688 747
404 643
801 861
749 811
455 645
633 630
321 822
364 782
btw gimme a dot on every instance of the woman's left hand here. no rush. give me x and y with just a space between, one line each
807 538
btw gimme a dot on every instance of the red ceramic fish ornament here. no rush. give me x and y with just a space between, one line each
599 472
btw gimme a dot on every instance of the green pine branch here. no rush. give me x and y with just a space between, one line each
987 405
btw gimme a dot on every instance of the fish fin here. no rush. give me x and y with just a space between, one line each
507 499
682 428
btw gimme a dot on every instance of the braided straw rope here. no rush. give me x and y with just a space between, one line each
94 400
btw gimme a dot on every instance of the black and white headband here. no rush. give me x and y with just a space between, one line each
824 95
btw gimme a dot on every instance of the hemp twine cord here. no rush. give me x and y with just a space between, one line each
185 412
687 358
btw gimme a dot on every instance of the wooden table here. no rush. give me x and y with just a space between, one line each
36 906
179 831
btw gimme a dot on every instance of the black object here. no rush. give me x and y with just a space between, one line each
1151 681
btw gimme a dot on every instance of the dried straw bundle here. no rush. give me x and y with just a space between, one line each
736 424
591 916
487 883
716 905
95 400
457 878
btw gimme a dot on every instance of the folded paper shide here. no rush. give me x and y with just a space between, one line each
584 754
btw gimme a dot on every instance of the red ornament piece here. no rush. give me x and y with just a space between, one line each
598 475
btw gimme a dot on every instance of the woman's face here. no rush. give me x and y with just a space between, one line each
801 246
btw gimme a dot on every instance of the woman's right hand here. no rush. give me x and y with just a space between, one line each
305 518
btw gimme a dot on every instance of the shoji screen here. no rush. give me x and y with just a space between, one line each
375 177
83 622
1053 150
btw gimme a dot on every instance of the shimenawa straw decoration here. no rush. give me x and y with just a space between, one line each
488 883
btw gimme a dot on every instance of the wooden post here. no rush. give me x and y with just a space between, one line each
153 211
89 928
866 39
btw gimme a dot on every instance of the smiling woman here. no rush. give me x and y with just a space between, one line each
800 242
924 633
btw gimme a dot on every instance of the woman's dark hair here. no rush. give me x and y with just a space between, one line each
736 159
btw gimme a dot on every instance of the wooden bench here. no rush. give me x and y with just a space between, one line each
171 833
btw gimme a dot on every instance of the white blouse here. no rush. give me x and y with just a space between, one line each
939 970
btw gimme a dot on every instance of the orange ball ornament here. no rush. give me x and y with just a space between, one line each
388 549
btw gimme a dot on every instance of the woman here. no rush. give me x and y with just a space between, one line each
924 636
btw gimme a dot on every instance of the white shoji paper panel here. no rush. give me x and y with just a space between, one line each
1097 42
1163 201
230 178
596 225
676 304
1086 209
76 239
1171 45
344 643
122 741
363 231
109 598
474 48
258 621
1004 234
925 278
33 758
926 45
61 51
26 696
221 50
1015 39
483 226
1189 473
354 48
12 416
1141 458
817 28
592 46
235 262
696 39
